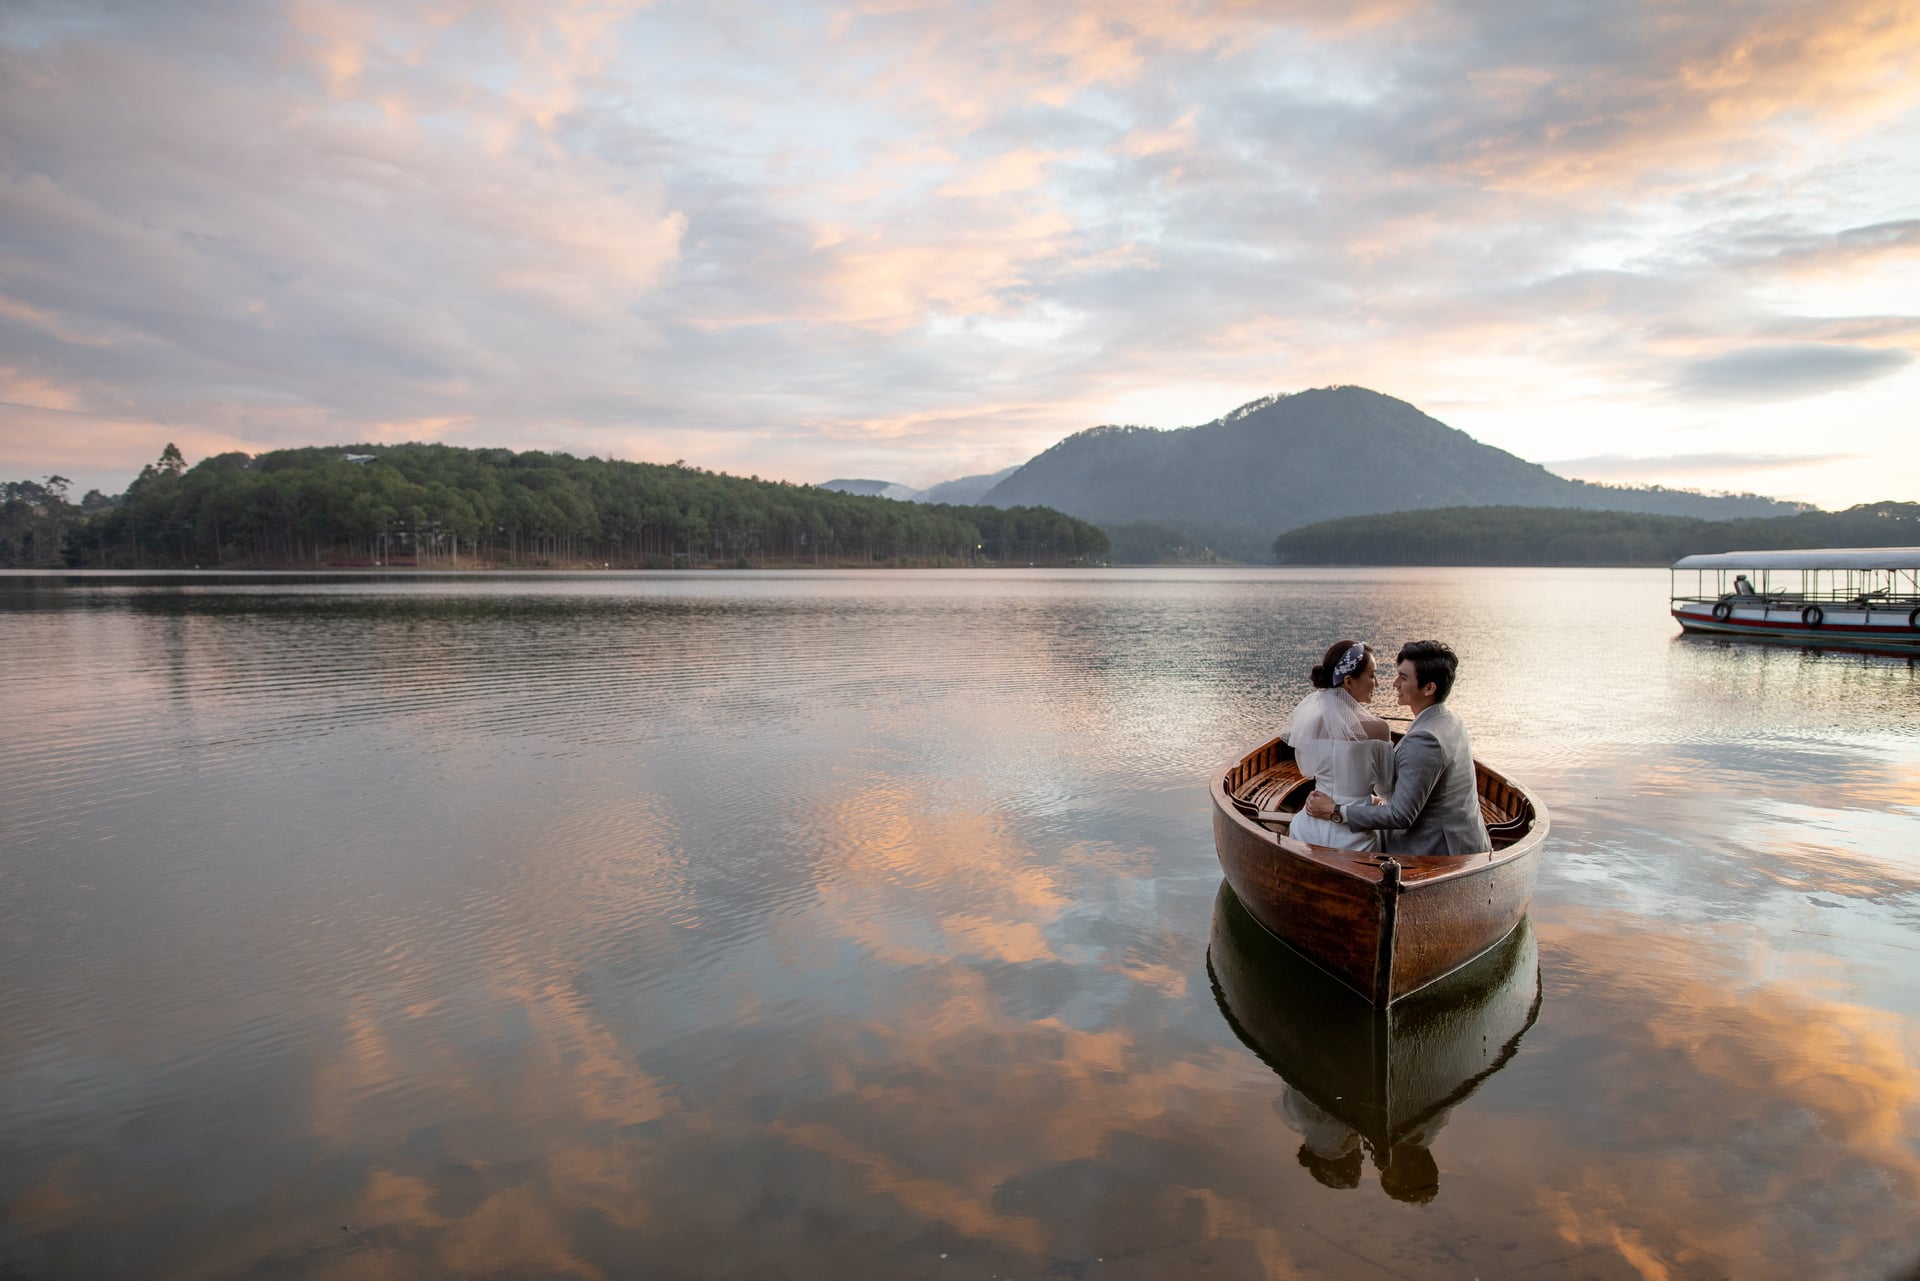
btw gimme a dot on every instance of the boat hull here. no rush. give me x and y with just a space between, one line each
1385 927
1835 626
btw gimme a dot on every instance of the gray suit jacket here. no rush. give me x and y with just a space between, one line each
1435 807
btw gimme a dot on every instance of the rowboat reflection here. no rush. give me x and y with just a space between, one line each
1363 1081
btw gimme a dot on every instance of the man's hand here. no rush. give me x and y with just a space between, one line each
1320 805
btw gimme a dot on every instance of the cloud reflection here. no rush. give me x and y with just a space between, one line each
578 925
1782 1125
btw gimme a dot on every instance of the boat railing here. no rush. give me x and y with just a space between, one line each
1800 600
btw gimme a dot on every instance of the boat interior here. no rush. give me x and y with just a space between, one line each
1269 788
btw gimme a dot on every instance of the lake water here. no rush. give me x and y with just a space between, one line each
858 925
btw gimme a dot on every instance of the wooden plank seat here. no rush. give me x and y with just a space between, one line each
1504 808
1273 788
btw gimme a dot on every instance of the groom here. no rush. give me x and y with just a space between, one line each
1435 807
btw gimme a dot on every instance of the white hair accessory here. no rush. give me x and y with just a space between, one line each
1350 662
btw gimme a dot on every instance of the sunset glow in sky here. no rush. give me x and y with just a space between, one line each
1675 241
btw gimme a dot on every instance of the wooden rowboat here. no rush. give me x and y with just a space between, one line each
1386 926
1384 1081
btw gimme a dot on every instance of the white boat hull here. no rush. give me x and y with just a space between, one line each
1832 625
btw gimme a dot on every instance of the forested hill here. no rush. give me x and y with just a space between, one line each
450 507
1556 536
1287 461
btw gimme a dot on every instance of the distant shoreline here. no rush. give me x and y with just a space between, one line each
485 571
401 573
1563 538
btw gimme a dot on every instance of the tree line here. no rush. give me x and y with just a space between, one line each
1562 536
36 519
451 507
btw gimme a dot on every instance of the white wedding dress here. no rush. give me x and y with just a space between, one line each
1328 732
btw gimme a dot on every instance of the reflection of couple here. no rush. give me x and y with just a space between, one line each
1330 1150
1432 805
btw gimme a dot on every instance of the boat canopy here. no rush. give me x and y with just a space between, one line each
1907 558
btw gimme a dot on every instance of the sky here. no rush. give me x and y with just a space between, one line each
1672 242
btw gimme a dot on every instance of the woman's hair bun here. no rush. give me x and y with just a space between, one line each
1318 677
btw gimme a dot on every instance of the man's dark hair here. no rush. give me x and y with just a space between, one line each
1409 1174
1434 663
1341 1171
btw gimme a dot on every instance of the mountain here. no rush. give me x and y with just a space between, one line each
964 492
1285 461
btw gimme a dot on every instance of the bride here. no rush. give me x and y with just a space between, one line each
1342 745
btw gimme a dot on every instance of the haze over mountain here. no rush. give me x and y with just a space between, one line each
873 489
968 490
963 492
1285 461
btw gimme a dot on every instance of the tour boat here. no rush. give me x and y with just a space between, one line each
1383 1078
1385 925
1838 595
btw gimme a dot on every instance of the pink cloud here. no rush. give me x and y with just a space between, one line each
1715 88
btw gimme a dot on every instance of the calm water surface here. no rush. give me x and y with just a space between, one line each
839 925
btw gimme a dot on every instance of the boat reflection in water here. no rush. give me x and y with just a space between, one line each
1362 1081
